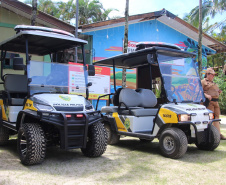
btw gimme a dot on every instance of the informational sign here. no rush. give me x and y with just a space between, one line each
131 46
100 82
76 80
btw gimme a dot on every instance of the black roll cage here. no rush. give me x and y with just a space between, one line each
144 57
40 45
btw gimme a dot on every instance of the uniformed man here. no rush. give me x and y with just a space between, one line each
212 92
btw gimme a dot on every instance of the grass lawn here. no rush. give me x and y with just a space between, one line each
129 162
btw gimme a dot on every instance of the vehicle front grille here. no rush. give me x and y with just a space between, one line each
58 108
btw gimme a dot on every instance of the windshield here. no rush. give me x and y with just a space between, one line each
180 78
56 78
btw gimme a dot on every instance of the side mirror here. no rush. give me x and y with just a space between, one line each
150 58
89 84
18 63
91 70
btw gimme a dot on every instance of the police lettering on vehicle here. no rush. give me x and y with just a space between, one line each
167 115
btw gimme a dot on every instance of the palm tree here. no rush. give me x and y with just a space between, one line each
66 11
47 6
34 12
200 39
209 8
89 11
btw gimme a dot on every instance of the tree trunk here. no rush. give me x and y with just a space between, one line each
200 39
34 12
76 30
125 42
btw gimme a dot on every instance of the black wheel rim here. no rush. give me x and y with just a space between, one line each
23 144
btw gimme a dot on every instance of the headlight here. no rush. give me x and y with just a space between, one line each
211 116
184 117
43 107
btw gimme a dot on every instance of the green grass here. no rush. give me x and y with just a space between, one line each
128 162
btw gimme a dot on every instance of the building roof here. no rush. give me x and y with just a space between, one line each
166 18
162 16
44 19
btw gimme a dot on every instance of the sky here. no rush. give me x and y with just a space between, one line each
178 7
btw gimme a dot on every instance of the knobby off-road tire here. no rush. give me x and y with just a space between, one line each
4 136
113 137
31 144
96 140
215 140
173 143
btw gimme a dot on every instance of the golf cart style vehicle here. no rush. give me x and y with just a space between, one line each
45 106
165 105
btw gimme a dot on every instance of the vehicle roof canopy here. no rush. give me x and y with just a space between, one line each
40 42
139 58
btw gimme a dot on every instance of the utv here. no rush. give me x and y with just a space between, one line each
43 105
166 104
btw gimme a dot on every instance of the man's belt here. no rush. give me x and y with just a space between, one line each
214 99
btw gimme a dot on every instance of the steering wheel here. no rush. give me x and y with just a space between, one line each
172 89
171 93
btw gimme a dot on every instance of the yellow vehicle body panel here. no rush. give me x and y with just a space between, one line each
119 123
29 105
168 116
4 117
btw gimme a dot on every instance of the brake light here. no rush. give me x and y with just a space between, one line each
79 115
68 116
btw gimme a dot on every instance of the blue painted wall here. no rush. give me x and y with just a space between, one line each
105 40
108 42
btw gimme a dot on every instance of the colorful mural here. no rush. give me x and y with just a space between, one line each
109 42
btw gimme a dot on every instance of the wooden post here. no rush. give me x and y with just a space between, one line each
200 40
34 12
125 42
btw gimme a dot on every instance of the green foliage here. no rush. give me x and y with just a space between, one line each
209 9
221 81
90 11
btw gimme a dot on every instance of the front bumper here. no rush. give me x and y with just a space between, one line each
72 126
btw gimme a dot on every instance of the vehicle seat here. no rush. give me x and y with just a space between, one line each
145 99
115 101
15 88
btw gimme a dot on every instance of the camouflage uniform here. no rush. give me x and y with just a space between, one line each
211 89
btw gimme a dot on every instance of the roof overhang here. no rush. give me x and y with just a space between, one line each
42 18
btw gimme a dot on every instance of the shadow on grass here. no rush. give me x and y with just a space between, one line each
72 163
55 157
193 154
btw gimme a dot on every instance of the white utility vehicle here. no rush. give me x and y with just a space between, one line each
45 106
175 116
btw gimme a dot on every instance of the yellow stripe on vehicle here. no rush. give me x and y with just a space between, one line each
119 123
29 105
3 111
168 116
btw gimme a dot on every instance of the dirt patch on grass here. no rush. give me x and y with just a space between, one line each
129 162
